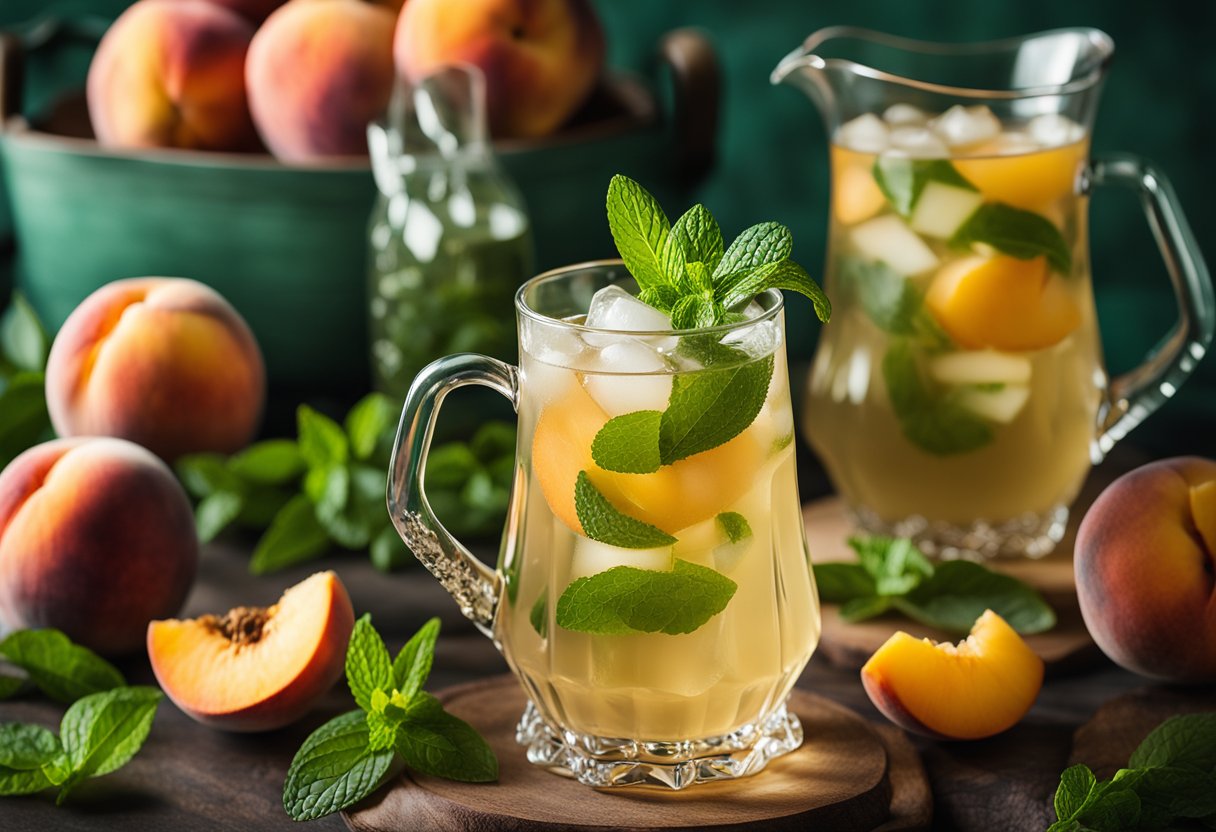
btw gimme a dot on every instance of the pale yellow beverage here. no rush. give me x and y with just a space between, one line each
955 394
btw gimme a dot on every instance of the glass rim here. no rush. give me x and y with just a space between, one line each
806 53
526 311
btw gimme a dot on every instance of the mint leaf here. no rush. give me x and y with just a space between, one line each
102 731
859 609
350 506
26 747
895 564
734 525
1167 792
711 407
626 599
661 296
902 180
434 742
629 444
215 512
1112 807
61 669
764 243
959 591
294 536
933 423
737 288
368 422
1179 741
368 667
839 583
24 421
23 340
322 441
450 465
10 686
273 462
1018 233
333 769
1072 795
692 312
413 664
388 551
603 522
894 303
695 237
15 781
538 616
204 474
640 229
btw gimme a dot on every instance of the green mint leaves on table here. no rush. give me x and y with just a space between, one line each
345 759
1170 777
931 420
625 599
468 484
893 575
686 271
62 670
24 345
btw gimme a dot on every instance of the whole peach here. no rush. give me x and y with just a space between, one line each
254 11
1146 567
540 58
165 362
170 73
96 539
318 72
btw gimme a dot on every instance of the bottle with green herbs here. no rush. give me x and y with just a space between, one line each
450 238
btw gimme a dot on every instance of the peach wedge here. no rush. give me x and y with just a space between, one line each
977 688
256 668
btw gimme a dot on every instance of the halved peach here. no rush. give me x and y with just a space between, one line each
1024 180
1003 303
672 498
256 668
979 687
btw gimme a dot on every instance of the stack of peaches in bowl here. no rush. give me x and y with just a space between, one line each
225 141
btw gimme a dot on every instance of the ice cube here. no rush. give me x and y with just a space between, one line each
961 126
867 133
757 340
941 209
917 143
629 376
1054 130
1013 142
1000 406
592 557
614 308
904 115
888 240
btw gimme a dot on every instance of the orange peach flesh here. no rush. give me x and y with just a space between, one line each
256 668
974 689
1026 180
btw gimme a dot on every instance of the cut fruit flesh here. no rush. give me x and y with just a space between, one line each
1001 406
888 240
855 195
592 557
980 367
974 689
942 209
1026 180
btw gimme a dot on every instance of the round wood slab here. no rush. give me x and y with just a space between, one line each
1066 648
846 776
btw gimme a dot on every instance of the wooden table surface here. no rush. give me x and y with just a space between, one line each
188 777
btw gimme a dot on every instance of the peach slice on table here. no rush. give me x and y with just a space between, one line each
1024 180
672 498
1003 303
977 688
256 668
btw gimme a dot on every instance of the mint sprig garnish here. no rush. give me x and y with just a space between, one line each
59 668
625 599
893 574
1170 777
684 270
345 759
602 521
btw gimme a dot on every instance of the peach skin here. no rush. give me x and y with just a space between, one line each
170 73
255 668
255 11
318 72
164 362
540 58
1145 564
96 539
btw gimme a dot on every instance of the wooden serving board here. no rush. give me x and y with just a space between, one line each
1066 648
846 776
1109 738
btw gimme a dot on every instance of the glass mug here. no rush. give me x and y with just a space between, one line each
959 396
656 701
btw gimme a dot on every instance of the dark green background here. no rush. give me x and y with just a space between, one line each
1160 102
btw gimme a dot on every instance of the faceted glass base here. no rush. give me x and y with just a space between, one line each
599 761
1029 535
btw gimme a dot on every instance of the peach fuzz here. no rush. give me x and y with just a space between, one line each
170 73
256 669
318 72
1145 565
96 539
975 689
165 362
540 58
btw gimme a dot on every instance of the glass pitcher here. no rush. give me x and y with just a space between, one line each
660 651
959 395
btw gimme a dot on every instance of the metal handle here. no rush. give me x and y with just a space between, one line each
474 586
1137 393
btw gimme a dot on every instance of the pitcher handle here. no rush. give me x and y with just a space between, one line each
473 585
1138 392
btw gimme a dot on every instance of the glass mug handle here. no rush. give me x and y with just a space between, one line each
474 586
1137 393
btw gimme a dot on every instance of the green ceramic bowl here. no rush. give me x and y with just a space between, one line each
288 245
